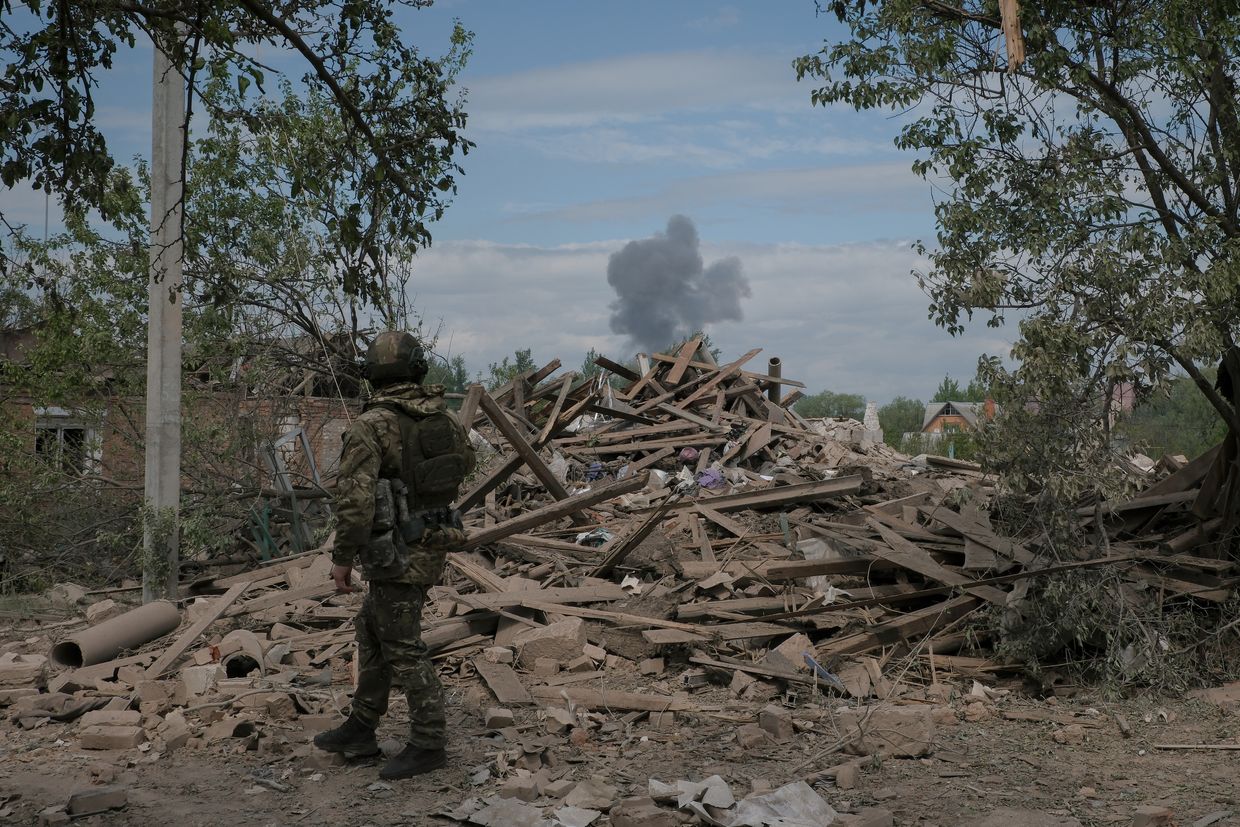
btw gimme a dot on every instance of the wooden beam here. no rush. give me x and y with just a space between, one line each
528 454
469 408
778 495
906 555
900 629
554 511
682 361
617 368
170 655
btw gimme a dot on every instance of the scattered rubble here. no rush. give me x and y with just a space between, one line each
677 547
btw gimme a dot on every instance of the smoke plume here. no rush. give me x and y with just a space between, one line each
663 292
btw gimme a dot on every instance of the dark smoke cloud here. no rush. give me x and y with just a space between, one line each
663 292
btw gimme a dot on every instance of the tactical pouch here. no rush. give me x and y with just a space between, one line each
440 462
385 507
386 556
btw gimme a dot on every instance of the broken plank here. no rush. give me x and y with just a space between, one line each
609 699
469 407
527 452
553 596
900 629
755 669
681 364
775 496
503 681
617 368
620 548
191 634
726 523
310 591
672 637
554 413
692 418
908 556
554 511
972 531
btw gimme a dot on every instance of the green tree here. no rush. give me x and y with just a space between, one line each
1179 421
451 373
948 391
399 124
900 416
828 403
506 370
1092 188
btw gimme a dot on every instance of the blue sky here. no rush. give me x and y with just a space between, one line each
596 122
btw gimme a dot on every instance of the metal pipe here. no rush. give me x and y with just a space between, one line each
774 369
128 631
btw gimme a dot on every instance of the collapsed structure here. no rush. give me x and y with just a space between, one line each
645 546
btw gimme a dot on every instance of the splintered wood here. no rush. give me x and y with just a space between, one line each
668 506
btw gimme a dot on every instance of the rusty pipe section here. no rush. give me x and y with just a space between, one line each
774 369
128 631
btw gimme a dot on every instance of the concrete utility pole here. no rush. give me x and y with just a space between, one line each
161 561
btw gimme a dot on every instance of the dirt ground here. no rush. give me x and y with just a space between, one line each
978 767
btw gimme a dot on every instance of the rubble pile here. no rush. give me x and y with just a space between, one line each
647 548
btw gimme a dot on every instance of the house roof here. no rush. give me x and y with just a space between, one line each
967 410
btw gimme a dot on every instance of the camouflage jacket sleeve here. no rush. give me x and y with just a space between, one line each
360 460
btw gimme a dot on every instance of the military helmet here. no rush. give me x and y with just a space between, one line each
395 356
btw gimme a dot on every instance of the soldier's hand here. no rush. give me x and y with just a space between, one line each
341 575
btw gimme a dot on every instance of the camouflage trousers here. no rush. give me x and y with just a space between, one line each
389 646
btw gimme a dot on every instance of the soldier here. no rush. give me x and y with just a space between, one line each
401 467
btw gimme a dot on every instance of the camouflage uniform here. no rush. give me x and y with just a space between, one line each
388 627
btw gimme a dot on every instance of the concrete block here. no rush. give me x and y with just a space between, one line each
498 654
112 737
199 680
281 631
777 722
561 641
560 788
1152 816
21 671
498 718
641 812
10 696
793 650
752 736
867 817
592 794
97 800
522 788
546 667
98 612
174 729
595 653
846 776
651 666
66 595
111 717
581 664
53 816
893 731
318 723
662 721
153 690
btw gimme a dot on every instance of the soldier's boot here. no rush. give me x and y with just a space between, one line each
352 739
413 761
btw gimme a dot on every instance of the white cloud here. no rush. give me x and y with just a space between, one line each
826 190
848 317
633 88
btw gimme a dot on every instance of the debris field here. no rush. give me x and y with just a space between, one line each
653 553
